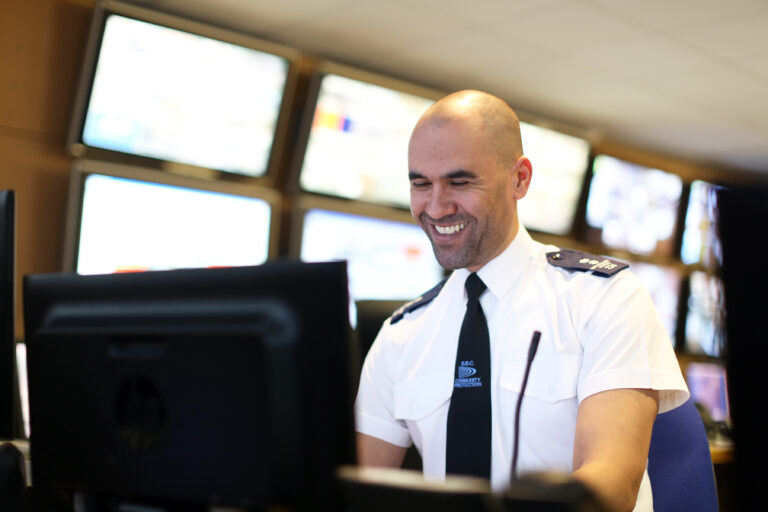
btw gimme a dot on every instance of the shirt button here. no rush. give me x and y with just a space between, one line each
551 390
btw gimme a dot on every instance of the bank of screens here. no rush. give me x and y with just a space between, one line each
663 283
164 93
559 163
128 225
705 320
708 386
386 259
701 242
632 207
358 142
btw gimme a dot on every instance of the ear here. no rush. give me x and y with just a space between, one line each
521 176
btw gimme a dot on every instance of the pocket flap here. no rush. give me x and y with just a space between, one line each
419 397
551 378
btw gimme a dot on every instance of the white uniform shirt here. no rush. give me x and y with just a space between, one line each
597 334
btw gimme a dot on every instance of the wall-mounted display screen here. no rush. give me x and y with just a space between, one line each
632 207
173 95
708 385
559 163
358 142
663 283
705 321
701 242
128 225
386 259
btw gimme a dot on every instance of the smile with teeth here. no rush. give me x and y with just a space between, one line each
449 230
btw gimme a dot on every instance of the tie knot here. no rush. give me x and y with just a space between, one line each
474 286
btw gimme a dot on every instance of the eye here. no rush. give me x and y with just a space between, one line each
459 183
419 183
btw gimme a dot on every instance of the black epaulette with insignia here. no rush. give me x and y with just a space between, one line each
415 304
582 261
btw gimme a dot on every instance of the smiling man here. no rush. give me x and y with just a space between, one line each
445 371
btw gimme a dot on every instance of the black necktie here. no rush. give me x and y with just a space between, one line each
468 445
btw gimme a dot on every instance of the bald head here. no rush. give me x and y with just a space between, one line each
485 114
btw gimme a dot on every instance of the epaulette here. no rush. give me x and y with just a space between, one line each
582 261
415 304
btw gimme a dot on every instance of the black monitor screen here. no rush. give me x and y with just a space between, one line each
7 315
176 95
225 387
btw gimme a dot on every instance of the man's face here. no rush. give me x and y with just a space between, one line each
461 194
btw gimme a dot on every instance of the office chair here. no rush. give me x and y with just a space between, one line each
680 464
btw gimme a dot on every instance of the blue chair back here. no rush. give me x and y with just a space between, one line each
680 464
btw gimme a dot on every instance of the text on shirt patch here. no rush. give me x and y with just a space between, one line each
465 379
606 264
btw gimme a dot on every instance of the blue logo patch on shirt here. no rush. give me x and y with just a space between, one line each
465 372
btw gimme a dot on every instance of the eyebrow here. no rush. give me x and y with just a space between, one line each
458 174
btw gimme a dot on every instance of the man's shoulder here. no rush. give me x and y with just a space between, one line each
417 303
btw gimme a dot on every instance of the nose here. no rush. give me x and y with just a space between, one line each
440 203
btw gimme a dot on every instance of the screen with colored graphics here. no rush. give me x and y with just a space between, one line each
129 225
358 142
386 259
182 97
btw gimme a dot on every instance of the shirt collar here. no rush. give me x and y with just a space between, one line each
501 272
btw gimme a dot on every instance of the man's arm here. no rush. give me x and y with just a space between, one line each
372 451
613 434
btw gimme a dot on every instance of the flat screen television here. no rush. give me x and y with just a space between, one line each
708 385
705 317
8 385
204 387
172 90
355 135
664 285
126 219
701 240
632 207
386 259
560 162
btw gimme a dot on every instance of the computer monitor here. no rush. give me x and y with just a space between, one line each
708 386
705 317
355 135
212 387
127 219
701 241
664 285
632 207
559 163
7 315
387 259
173 90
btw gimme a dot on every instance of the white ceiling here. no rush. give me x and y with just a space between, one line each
688 78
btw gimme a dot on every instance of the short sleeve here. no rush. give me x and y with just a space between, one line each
625 344
374 407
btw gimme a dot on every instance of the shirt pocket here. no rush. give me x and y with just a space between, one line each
552 377
419 397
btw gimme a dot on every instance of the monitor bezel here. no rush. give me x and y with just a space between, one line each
82 168
79 149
